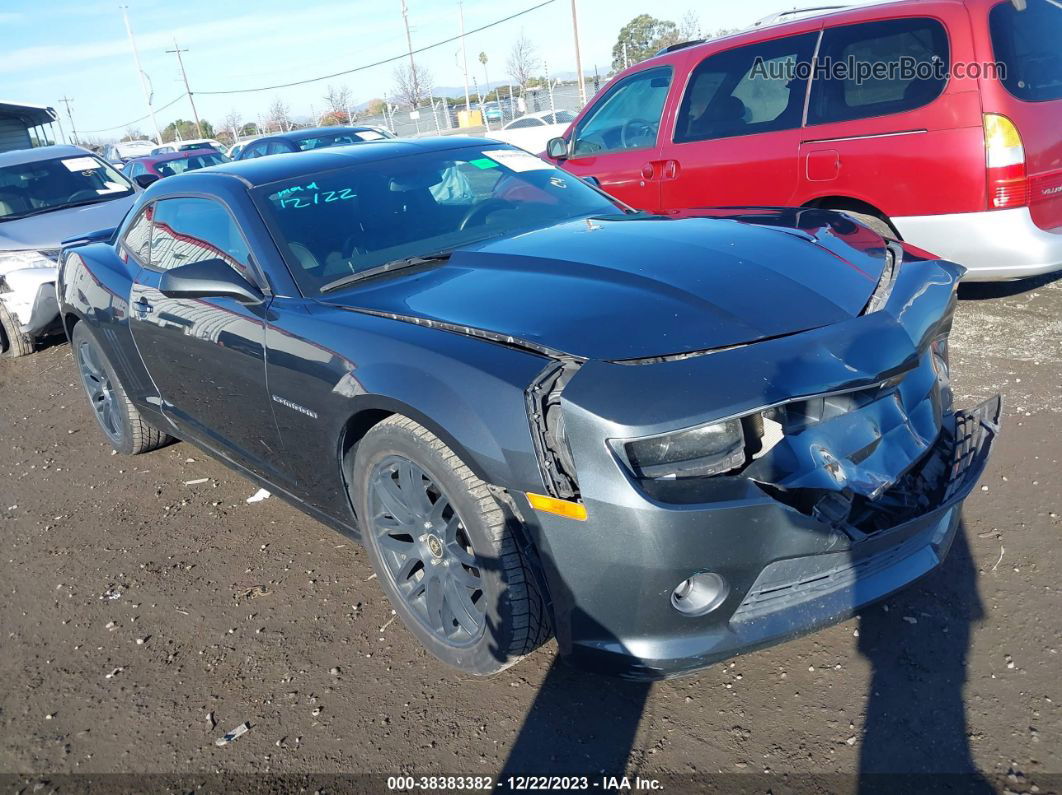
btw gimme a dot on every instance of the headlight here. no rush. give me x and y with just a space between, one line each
693 452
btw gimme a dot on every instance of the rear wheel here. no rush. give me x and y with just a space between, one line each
13 343
127 431
450 564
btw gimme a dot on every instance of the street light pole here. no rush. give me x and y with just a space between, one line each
414 83
578 55
184 76
143 76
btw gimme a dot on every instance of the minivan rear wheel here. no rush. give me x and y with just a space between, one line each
444 553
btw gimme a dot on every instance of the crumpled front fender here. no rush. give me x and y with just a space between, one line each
23 288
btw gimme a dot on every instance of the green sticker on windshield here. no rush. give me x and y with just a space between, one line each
483 162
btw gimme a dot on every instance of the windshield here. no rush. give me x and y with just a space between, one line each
45 185
338 223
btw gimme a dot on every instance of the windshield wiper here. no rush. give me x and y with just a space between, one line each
387 267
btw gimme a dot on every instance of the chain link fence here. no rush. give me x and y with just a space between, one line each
441 116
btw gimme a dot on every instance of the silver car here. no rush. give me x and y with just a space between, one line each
48 195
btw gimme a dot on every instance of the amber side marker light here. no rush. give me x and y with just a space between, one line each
569 510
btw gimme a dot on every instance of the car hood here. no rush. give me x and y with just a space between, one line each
643 286
47 230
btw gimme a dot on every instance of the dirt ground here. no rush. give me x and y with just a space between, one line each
147 608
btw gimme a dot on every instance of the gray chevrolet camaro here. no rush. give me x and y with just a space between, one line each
664 440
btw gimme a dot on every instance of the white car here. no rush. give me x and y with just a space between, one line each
531 132
121 153
187 146
48 195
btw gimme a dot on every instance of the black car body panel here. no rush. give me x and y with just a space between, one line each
535 356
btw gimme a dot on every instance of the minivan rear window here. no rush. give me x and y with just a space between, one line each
1029 45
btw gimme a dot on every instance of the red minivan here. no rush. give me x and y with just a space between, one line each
935 121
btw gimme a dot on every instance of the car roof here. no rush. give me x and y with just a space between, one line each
310 132
182 155
264 170
19 156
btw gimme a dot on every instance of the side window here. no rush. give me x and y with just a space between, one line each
627 116
754 89
910 56
193 230
521 123
255 150
134 170
278 148
137 240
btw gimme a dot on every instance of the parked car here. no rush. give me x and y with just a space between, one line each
534 131
314 138
492 111
121 153
668 440
145 170
47 195
189 145
234 151
965 160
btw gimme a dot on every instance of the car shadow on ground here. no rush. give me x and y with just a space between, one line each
986 291
915 734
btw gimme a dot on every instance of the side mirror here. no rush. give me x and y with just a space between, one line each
557 148
212 278
143 180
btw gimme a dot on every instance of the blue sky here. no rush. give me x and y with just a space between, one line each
78 48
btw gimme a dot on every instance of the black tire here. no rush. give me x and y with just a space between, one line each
474 548
875 222
127 431
13 343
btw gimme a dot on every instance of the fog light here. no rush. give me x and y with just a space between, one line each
702 593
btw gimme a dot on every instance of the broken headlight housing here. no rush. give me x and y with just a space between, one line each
697 452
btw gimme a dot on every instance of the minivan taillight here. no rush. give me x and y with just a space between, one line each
1008 184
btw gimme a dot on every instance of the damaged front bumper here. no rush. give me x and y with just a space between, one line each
861 497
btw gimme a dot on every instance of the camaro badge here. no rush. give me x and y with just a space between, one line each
294 406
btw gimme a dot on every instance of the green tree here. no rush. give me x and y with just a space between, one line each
185 129
643 36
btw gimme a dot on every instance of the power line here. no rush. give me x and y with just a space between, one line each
381 62
134 121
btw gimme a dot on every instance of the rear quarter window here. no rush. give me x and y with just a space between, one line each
1028 44
843 95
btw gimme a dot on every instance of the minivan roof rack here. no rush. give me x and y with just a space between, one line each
789 15
680 46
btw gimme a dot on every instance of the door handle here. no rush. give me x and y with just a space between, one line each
143 307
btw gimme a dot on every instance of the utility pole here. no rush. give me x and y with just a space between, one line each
578 55
464 58
73 131
414 83
143 75
184 76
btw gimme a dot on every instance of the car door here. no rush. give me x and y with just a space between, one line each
206 356
737 132
615 142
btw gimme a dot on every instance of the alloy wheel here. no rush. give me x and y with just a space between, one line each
100 390
426 550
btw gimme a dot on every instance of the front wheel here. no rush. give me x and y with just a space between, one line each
13 343
450 564
125 428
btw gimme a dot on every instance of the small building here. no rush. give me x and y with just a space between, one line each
25 126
